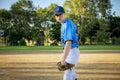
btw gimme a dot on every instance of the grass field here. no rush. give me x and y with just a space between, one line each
82 47
40 65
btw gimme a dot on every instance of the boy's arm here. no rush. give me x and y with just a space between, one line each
66 51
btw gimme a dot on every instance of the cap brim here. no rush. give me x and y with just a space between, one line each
58 13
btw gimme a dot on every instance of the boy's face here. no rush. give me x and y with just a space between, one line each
60 17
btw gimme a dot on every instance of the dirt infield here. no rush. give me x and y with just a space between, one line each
41 65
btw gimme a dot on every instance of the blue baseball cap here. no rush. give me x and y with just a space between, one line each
59 10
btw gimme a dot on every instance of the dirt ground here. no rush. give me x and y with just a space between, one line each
41 65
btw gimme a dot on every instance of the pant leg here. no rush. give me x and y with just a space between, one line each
74 74
70 74
73 59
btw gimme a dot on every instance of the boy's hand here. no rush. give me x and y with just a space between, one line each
63 62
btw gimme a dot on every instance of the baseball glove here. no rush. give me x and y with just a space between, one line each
64 67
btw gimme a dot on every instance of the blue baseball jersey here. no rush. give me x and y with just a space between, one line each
69 33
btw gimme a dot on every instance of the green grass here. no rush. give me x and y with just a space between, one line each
100 47
82 47
31 48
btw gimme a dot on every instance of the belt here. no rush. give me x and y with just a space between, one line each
72 48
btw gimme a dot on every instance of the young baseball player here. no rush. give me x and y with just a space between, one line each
69 40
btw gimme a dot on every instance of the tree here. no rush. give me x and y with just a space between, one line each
42 24
87 14
114 29
21 22
114 26
55 27
49 26
104 7
5 17
76 9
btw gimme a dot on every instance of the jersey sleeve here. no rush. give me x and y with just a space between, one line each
68 36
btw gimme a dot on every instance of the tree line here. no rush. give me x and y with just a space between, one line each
24 23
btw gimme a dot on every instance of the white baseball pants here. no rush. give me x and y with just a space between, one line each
72 58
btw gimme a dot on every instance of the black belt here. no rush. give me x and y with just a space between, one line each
74 47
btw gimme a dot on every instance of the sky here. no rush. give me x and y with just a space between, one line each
6 4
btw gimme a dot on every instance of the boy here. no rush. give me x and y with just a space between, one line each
69 40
